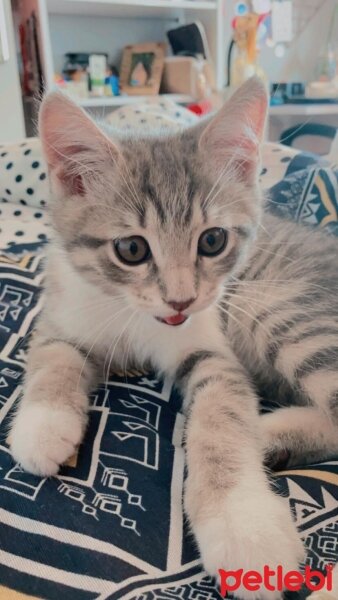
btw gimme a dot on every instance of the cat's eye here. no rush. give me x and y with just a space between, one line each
132 250
212 241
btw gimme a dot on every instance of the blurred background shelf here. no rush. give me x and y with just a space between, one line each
116 101
108 25
129 8
304 110
102 27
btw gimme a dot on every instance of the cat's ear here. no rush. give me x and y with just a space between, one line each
231 141
77 152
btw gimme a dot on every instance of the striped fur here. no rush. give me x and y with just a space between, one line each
264 316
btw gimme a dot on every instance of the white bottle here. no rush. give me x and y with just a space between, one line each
97 73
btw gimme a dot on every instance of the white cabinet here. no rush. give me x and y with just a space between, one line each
99 26
109 25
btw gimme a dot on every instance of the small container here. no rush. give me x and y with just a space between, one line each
97 73
115 84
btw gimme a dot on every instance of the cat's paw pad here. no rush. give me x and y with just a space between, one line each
42 438
250 533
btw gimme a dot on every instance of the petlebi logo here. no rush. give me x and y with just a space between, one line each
278 580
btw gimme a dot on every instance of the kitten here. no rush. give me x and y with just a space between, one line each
162 254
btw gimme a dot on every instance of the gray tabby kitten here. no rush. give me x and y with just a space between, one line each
162 254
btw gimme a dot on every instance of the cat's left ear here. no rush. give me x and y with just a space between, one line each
77 152
231 141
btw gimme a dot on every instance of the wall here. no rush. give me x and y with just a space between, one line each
11 113
299 64
300 59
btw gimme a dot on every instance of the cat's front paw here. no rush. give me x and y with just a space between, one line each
42 437
250 532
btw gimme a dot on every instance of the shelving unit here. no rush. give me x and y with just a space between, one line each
137 8
304 110
68 25
106 26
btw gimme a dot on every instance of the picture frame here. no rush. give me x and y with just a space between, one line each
142 68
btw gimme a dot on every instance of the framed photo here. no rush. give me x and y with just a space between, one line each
141 68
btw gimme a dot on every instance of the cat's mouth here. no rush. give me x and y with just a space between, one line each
175 320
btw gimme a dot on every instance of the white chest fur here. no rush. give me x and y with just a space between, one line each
110 328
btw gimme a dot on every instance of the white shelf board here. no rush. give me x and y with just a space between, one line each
128 8
315 109
129 100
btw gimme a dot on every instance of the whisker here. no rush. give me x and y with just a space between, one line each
266 304
102 330
233 318
98 305
250 316
308 284
115 346
132 335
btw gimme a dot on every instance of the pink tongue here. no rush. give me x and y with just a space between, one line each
175 320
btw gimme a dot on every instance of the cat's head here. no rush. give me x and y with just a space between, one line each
165 220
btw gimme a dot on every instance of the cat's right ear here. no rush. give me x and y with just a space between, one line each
77 152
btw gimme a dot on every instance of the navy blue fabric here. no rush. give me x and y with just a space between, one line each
308 193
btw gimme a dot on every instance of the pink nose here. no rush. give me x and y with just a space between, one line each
180 306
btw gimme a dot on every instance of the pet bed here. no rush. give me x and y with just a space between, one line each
111 525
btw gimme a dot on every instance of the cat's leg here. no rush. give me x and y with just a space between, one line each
238 521
298 435
52 414
310 365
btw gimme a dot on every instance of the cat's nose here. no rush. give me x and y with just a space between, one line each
180 306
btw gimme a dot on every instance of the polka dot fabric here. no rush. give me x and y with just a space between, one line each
23 176
153 114
275 160
22 224
24 194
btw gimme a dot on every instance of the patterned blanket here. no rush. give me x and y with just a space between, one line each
111 525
